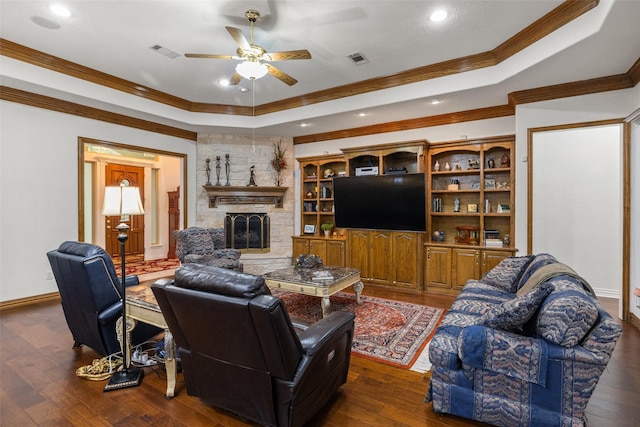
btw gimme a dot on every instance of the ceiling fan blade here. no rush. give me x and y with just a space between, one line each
235 79
281 75
287 55
203 55
239 38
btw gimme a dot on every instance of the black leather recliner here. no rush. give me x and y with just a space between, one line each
240 352
90 295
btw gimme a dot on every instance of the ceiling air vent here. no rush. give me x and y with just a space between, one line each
163 50
358 58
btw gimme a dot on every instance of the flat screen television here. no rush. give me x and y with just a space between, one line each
386 202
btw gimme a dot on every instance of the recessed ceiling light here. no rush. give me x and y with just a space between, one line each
435 101
304 125
243 89
439 15
362 114
60 10
223 82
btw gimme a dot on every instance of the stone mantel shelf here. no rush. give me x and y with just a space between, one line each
249 195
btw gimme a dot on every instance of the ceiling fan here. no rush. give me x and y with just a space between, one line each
255 58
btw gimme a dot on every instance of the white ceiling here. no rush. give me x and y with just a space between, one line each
395 35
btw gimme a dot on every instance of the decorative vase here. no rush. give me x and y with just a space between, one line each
327 233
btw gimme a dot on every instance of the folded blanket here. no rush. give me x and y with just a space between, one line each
549 271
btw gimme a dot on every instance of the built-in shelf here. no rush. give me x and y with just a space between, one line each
249 195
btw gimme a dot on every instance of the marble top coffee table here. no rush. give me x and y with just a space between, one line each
142 306
321 281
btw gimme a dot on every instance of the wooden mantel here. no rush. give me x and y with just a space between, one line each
249 195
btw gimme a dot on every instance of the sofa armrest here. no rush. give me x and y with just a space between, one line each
110 314
233 254
193 258
315 336
131 281
504 352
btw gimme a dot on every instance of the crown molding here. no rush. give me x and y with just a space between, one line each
421 122
566 90
560 16
545 93
54 104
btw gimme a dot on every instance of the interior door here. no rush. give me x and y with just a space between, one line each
130 176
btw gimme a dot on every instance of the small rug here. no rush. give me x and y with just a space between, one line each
138 268
391 332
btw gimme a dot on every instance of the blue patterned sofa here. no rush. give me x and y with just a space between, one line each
206 246
523 346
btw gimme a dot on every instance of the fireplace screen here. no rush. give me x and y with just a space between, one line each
248 232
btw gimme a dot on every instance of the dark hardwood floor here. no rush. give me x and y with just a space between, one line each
39 385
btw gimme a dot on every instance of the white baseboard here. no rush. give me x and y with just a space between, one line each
607 293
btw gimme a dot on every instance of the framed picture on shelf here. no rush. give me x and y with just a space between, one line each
309 229
489 184
472 207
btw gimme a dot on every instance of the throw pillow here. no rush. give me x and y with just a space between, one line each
506 275
567 315
513 314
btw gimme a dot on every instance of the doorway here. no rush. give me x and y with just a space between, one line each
577 194
164 171
116 175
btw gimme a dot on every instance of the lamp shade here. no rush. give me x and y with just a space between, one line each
251 70
122 201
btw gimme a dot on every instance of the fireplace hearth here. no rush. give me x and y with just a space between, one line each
248 232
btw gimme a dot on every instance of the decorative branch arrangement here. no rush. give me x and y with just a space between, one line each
279 162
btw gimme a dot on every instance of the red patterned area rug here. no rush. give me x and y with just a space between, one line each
391 332
138 268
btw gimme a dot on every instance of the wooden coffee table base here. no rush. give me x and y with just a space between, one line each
142 307
299 281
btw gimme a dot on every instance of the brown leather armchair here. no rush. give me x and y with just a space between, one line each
240 352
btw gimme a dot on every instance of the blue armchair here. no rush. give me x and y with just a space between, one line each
523 346
89 292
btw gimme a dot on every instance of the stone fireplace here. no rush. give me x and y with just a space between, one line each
215 203
247 231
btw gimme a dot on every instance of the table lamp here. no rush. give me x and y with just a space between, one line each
123 201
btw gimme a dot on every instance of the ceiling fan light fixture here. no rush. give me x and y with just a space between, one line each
252 70
438 15
60 10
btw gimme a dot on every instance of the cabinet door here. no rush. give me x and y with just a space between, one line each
335 253
405 259
438 267
492 258
380 258
466 266
358 252
318 247
300 247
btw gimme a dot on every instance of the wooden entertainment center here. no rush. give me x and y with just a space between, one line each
469 213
